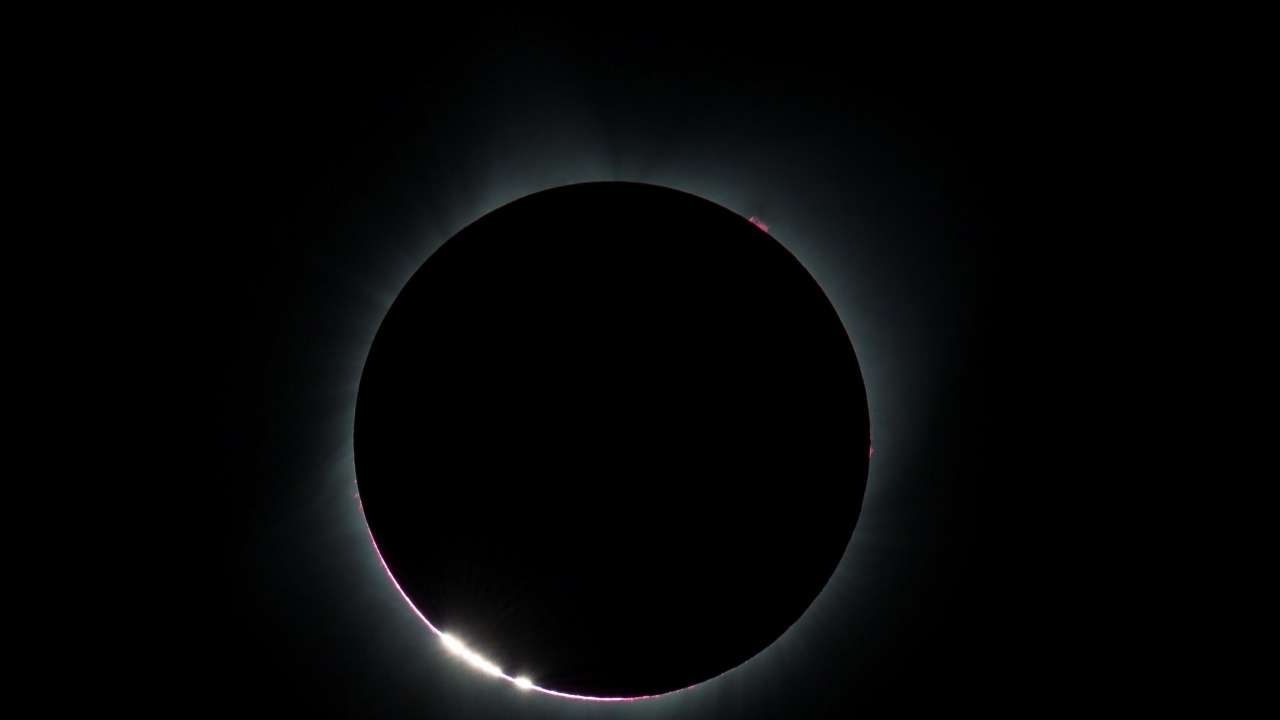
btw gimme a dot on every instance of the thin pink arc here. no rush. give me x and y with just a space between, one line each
504 676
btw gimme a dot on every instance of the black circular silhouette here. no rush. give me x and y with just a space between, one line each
613 437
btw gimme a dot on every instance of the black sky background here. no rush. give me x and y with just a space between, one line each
313 175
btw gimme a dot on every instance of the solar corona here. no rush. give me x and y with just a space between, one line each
628 392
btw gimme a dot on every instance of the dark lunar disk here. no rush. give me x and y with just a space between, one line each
613 437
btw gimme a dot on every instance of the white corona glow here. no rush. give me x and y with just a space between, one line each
452 644
389 294
472 658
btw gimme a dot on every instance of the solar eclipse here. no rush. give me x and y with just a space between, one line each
586 430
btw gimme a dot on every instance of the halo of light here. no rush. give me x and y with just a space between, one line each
523 683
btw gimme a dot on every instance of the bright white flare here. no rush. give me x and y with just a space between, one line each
523 683
455 646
